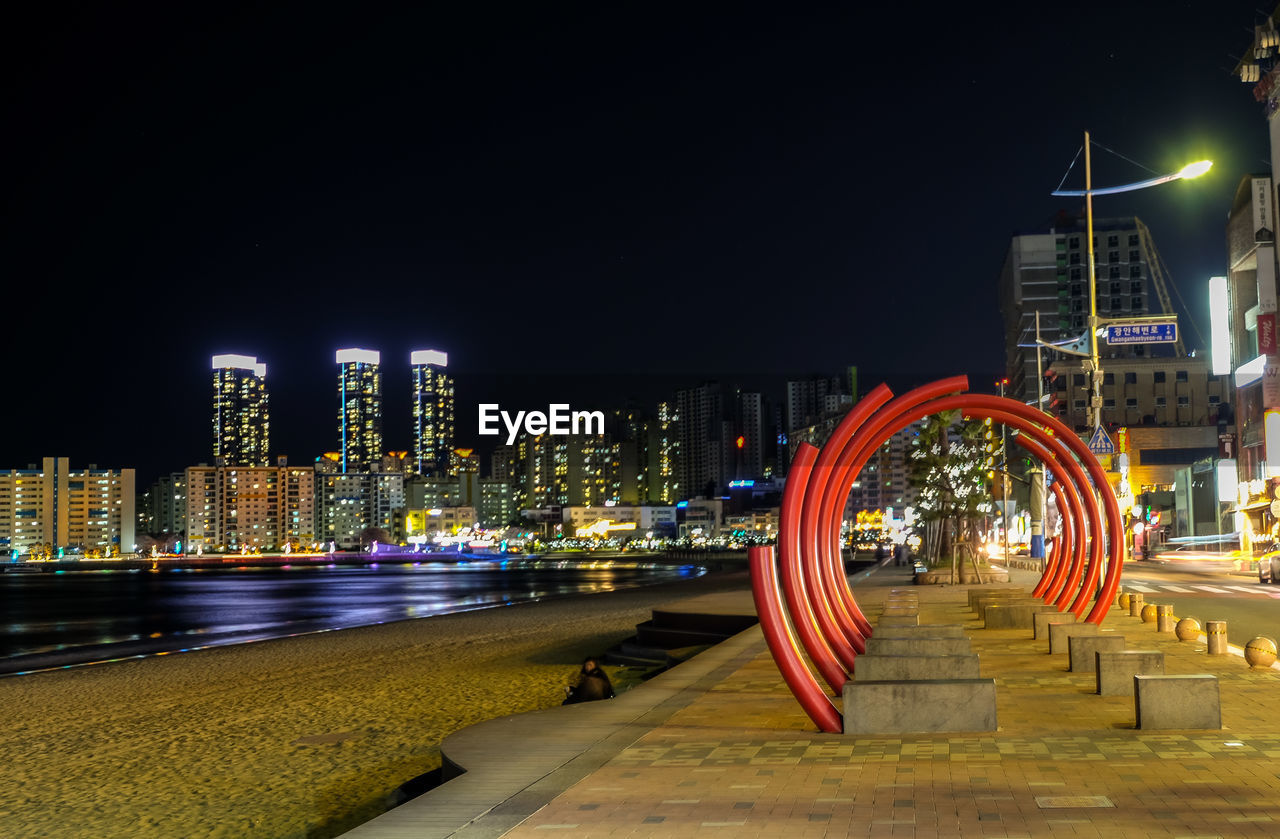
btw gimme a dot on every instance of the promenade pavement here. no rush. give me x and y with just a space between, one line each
719 747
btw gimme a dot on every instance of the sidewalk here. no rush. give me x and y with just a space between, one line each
725 750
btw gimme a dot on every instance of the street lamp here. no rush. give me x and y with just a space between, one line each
1191 170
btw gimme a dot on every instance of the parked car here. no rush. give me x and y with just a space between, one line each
1269 567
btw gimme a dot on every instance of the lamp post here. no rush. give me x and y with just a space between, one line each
1191 170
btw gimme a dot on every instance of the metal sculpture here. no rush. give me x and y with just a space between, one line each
809 611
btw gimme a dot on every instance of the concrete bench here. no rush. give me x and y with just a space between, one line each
918 646
930 630
1060 632
919 707
1117 669
900 668
1082 650
1165 702
977 593
980 604
1043 619
898 620
1014 616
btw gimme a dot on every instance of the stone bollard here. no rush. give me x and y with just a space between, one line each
1135 605
1164 618
1188 629
1123 601
1217 632
1260 652
1148 614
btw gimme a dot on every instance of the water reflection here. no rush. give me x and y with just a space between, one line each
56 620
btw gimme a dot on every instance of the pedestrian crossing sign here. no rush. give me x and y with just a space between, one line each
1101 443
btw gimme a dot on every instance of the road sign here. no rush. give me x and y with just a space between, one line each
1101 443
1142 333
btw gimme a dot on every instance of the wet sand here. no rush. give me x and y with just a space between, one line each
299 737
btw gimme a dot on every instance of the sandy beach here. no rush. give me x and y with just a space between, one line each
299 737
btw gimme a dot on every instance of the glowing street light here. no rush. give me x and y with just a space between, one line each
1191 170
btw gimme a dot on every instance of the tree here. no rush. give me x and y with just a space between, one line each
950 463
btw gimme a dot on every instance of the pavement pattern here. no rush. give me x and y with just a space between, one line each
736 756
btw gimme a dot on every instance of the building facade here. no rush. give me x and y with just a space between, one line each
1144 392
167 500
258 508
349 504
55 508
360 409
433 412
241 413
1047 273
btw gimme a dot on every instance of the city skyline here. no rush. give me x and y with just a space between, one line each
638 228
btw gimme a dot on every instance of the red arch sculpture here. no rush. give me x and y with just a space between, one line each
819 604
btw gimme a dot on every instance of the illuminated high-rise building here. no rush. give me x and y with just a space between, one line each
241 419
433 413
360 413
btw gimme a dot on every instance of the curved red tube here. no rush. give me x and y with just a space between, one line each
782 644
1044 428
854 457
1062 544
825 555
836 617
799 598
1052 457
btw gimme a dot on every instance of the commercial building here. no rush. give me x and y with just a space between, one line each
882 484
1143 392
497 505
349 504
662 453
241 415
360 409
433 413
167 505
559 470
256 508
54 509
703 434
427 524
1046 273
624 519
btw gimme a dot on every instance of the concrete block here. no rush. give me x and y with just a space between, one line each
898 620
917 646
930 630
903 668
1117 669
919 707
1060 632
977 593
1179 702
1043 619
1013 616
1081 650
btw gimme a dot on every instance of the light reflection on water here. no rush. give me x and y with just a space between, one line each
54 620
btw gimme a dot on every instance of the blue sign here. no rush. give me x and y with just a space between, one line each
1142 333
1101 443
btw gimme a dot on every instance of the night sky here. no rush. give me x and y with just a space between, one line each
579 202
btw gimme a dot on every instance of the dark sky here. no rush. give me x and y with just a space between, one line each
576 201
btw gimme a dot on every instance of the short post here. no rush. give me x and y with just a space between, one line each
1135 605
1217 632
1164 618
